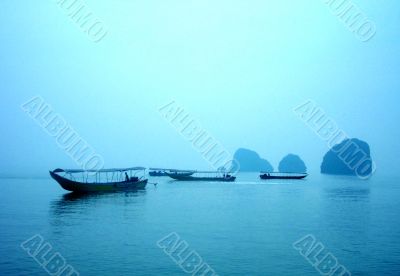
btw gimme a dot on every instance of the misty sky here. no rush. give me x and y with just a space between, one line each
238 67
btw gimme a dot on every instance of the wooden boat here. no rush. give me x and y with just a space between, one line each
282 175
215 176
155 172
105 180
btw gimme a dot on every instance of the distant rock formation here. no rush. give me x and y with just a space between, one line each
350 157
250 161
292 163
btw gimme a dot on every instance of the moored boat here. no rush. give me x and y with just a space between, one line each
215 176
282 175
155 172
105 180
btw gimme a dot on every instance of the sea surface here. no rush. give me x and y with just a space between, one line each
242 228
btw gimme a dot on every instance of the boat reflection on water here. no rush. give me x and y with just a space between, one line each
83 223
78 203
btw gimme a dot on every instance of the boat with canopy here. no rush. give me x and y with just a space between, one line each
164 172
217 176
157 172
282 175
105 180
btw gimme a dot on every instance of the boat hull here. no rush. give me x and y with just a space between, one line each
283 177
208 179
79 187
156 174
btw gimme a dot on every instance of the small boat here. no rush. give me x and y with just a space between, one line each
282 175
105 180
155 172
158 173
215 176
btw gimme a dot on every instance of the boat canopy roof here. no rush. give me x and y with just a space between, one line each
101 171
194 171
171 170
182 171
225 172
161 169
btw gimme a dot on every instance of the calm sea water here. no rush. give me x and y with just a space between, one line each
243 228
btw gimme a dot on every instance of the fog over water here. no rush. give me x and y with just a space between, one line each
239 68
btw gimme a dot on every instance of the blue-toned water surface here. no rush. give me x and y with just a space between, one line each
242 228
